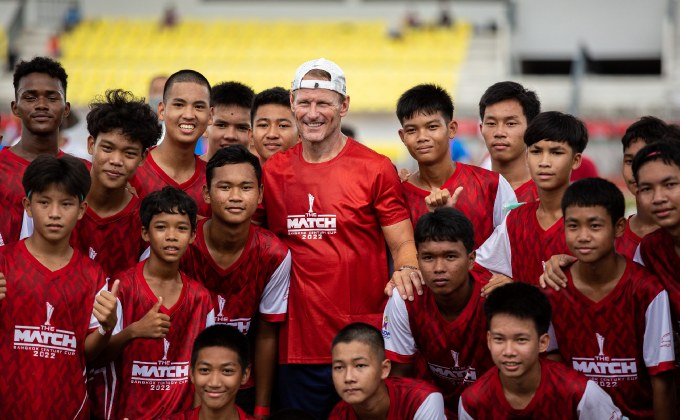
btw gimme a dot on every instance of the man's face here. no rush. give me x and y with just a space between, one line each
550 163
186 112
230 125
426 136
55 213
217 376
445 266
628 155
114 158
40 103
514 345
658 192
275 130
357 372
318 113
234 193
503 130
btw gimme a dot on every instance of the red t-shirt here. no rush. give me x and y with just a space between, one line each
330 216
519 246
193 414
627 243
561 394
44 321
150 177
455 351
115 242
12 168
409 399
482 200
658 254
618 349
527 192
154 373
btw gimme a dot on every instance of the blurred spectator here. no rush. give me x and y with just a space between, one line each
156 91
170 17
73 16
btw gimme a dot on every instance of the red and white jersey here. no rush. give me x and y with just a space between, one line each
410 399
484 200
257 281
44 321
620 341
527 192
330 215
657 253
194 414
154 373
627 243
150 177
115 242
12 168
562 394
519 246
455 351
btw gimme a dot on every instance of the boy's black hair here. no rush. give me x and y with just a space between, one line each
648 129
445 224
169 200
232 155
43 65
593 192
363 333
222 335
276 95
232 93
559 127
66 172
520 300
426 99
503 91
666 151
184 76
120 110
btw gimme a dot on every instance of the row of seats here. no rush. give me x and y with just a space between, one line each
117 53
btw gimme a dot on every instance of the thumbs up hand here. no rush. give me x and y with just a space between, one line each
105 305
153 325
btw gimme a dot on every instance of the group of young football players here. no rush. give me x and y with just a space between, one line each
514 293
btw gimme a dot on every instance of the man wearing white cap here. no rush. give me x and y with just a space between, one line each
335 203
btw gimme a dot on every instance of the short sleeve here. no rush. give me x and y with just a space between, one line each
495 253
597 404
505 201
396 330
388 200
657 349
432 408
274 301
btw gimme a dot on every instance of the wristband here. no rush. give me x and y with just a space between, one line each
410 267
102 331
261 411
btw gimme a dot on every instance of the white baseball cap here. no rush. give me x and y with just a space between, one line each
337 82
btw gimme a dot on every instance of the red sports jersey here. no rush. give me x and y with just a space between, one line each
483 200
154 373
658 254
455 351
410 399
627 243
330 215
12 168
519 246
44 321
561 394
193 414
115 242
618 349
150 177
527 192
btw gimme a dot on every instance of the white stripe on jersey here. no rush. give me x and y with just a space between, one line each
274 300
658 341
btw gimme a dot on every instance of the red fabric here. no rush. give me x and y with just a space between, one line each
586 170
44 321
627 243
193 414
620 318
338 248
527 192
159 384
557 396
659 255
476 201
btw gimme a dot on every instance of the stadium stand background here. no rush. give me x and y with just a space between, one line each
609 61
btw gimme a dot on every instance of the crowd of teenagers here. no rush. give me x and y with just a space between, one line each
290 273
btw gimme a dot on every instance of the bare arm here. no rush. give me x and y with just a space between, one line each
399 238
266 351
104 310
663 389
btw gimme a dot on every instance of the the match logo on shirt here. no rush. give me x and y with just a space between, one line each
45 341
604 370
242 324
312 225
455 374
160 375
